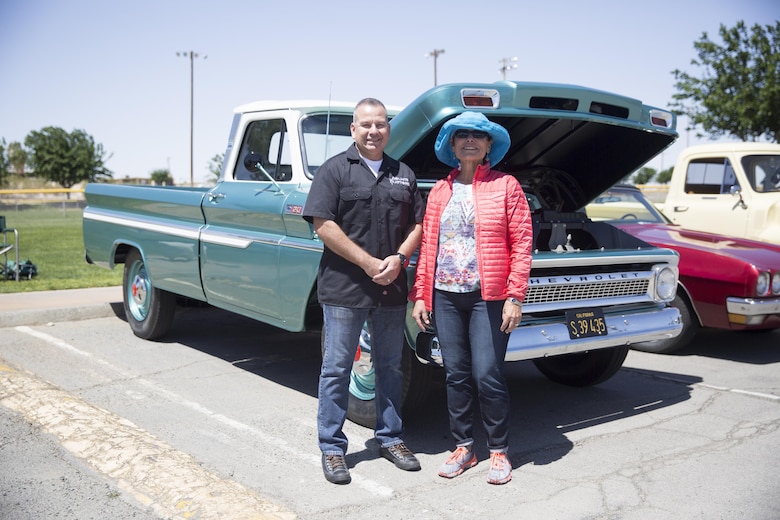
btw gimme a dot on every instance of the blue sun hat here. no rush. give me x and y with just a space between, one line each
471 121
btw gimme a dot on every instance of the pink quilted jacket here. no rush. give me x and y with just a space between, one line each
503 231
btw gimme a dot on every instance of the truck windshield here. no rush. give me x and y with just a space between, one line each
324 135
763 172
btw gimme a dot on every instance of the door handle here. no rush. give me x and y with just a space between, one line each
214 197
680 209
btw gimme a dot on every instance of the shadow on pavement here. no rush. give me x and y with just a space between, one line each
543 412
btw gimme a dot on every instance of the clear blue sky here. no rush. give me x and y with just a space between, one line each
111 69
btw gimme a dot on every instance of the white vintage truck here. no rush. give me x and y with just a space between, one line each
243 246
727 188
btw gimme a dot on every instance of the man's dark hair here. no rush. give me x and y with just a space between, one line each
374 102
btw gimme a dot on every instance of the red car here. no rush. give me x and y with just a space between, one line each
725 282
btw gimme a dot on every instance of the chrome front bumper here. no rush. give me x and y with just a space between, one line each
552 339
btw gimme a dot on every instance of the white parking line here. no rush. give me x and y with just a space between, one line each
760 395
367 484
719 388
170 482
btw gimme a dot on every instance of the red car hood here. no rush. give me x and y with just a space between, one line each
760 254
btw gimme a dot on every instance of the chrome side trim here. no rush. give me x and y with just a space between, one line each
188 231
198 232
244 240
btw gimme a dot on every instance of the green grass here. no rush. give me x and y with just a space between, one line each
52 239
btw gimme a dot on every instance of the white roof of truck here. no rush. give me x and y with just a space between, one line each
298 104
261 106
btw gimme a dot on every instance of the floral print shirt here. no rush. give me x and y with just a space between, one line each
456 263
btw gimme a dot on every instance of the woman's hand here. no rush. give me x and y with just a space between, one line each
512 314
421 315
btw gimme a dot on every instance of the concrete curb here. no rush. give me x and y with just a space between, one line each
42 307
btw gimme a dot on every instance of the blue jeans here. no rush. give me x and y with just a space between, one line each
473 350
342 327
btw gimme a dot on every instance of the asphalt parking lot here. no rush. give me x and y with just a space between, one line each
232 401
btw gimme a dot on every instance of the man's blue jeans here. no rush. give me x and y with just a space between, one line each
342 327
473 350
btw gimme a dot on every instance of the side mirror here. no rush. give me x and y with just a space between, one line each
734 190
252 162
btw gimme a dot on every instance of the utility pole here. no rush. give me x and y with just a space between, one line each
191 55
435 53
507 64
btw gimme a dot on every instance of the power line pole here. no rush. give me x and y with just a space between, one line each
507 64
191 55
435 53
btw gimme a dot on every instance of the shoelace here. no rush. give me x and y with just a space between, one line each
498 461
401 450
458 456
336 462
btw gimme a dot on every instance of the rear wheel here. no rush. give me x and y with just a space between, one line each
583 368
690 328
362 406
149 310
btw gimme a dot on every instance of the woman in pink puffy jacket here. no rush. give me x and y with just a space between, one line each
472 276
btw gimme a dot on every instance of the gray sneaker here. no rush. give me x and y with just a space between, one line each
460 460
335 469
500 471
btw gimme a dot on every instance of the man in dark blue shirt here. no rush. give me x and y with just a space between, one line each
367 210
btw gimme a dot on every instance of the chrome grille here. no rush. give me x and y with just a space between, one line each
586 291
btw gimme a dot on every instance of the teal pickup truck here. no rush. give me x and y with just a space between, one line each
243 246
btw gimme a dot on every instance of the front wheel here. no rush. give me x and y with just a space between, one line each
583 368
362 404
149 310
690 328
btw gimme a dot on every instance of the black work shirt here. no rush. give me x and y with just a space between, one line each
374 212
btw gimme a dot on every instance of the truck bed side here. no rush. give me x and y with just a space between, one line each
164 223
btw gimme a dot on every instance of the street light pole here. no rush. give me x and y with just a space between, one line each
507 64
435 53
192 55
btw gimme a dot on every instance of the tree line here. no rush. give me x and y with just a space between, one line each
736 92
65 158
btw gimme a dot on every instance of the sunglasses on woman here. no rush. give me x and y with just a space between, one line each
474 134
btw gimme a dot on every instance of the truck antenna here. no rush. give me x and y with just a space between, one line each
327 120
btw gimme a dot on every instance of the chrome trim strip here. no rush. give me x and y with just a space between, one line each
589 278
314 246
584 259
205 234
239 241
171 228
244 240
752 306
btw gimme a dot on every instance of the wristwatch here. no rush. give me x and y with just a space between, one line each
514 300
404 260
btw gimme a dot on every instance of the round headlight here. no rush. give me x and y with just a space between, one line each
776 283
666 284
762 284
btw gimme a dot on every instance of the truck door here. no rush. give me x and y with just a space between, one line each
244 225
709 197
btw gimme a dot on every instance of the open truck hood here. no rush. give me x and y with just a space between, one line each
569 143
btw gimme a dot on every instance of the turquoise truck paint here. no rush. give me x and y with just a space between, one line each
242 245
